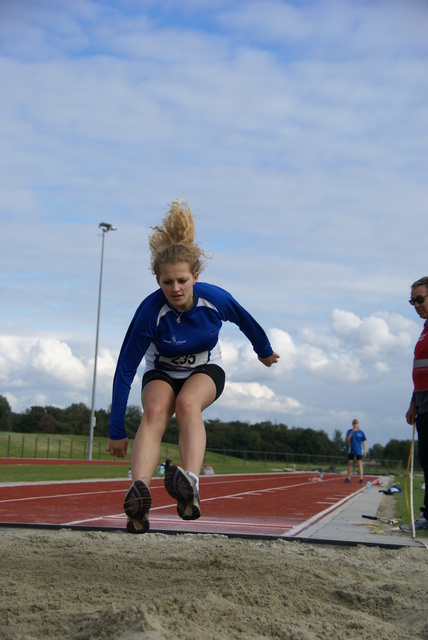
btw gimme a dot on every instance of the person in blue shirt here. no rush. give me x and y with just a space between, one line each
357 449
176 330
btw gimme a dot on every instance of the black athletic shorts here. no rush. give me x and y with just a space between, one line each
215 372
352 456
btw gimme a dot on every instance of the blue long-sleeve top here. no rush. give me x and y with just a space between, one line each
178 346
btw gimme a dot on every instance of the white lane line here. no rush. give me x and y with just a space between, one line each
94 493
201 521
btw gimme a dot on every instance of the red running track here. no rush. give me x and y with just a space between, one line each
254 505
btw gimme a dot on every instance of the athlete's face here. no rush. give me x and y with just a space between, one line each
419 293
176 281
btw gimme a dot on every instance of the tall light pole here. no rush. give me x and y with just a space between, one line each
105 228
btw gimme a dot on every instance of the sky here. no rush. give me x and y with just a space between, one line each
297 132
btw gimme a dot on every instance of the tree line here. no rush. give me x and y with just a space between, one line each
235 435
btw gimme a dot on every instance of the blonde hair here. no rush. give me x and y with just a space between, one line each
174 240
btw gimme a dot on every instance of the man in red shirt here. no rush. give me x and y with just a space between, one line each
418 410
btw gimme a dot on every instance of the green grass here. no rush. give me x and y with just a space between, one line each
418 499
44 445
43 472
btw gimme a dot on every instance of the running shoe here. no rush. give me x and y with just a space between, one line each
421 524
138 501
348 480
361 481
182 488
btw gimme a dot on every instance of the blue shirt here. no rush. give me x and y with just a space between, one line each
356 442
178 346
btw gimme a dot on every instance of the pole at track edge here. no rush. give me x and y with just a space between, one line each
412 513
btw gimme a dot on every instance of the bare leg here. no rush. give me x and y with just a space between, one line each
197 394
360 468
350 465
158 407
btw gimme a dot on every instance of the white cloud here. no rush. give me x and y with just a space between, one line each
45 371
55 360
380 336
258 399
12 400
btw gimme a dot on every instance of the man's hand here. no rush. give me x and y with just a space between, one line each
269 361
118 448
411 413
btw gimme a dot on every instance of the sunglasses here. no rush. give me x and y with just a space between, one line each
418 299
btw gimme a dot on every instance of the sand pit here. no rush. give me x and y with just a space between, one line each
90 585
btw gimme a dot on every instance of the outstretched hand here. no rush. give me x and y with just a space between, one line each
270 360
118 448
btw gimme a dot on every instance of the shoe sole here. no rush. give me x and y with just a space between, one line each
138 501
180 487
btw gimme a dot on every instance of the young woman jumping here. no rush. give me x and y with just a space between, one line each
176 329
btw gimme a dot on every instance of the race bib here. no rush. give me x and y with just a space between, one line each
185 362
